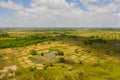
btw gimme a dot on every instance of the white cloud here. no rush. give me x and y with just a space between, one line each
50 8
87 1
56 13
109 8
10 5
117 14
116 1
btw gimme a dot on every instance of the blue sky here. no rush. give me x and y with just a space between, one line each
60 13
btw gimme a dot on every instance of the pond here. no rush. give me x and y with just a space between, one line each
50 54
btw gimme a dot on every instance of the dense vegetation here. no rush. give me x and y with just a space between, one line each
21 42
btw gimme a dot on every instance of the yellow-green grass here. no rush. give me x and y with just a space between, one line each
91 62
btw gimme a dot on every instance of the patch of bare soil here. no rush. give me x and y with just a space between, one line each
8 72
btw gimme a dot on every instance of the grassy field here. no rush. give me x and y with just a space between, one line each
72 54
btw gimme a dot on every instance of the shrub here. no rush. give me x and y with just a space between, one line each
88 42
45 67
80 73
81 62
32 68
48 64
42 54
92 37
62 65
60 53
49 42
76 50
33 52
0 56
96 65
62 59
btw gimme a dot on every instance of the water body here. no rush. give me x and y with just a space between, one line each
50 54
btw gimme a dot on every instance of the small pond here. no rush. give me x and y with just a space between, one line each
50 54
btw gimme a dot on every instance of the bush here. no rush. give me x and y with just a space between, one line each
49 42
46 65
96 65
32 68
60 53
76 50
62 59
80 73
33 52
0 56
81 62
92 37
62 65
42 54
88 42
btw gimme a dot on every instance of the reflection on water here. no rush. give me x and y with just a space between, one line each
51 54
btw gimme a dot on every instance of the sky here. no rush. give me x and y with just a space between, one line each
60 13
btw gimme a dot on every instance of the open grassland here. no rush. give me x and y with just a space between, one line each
60 54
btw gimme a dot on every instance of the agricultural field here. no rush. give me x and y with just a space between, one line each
59 54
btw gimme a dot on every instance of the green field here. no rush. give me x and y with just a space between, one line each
60 54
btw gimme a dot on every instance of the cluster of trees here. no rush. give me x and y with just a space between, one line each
4 34
91 41
20 42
